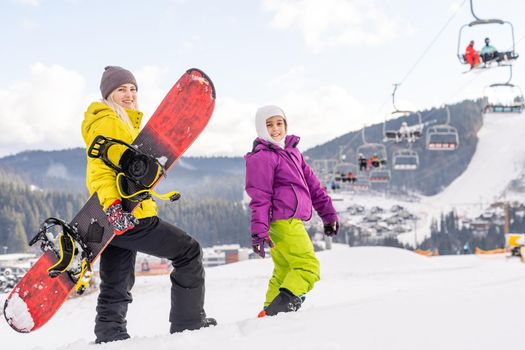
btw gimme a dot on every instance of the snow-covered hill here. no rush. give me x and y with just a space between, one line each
368 298
499 159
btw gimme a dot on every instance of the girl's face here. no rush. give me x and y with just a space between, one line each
125 96
276 127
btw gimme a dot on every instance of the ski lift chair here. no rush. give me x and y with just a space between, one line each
369 149
396 134
405 159
379 176
323 166
361 184
442 138
341 170
505 59
513 104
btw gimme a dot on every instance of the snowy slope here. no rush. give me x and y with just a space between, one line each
368 298
499 159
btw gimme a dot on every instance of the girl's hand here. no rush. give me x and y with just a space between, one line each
258 242
331 229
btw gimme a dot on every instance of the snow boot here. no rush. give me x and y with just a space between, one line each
285 301
206 322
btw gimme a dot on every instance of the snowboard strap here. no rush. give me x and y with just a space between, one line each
84 278
73 254
137 172
145 193
66 255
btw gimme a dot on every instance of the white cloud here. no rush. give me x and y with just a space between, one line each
456 6
316 115
230 131
29 24
46 111
332 23
154 84
322 114
43 112
29 2
319 113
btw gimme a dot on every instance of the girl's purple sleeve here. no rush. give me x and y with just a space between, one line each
321 201
259 186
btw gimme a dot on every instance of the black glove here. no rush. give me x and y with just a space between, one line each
120 220
258 242
331 229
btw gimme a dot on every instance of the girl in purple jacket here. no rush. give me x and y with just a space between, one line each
283 189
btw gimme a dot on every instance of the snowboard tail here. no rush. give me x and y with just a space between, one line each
178 121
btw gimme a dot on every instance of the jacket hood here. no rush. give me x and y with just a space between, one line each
289 141
98 110
261 116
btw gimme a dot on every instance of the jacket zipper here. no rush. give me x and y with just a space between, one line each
298 169
296 199
293 188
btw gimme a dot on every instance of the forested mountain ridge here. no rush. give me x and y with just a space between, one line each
37 184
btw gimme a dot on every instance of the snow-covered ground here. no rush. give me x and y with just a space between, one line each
499 159
368 298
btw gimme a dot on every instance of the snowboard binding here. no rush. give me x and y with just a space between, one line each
74 256
137 172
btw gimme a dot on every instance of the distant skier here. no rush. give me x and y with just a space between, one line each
488 52
351 177
363 162
471 55
283 189
404 132
375 161
117 116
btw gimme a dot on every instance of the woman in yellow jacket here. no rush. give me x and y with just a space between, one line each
117 116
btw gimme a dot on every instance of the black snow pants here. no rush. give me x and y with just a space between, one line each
117 274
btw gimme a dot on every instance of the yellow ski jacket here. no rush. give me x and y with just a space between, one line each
100 119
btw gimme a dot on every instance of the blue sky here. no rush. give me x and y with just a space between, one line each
329 64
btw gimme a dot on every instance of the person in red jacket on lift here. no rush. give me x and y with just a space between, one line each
471 55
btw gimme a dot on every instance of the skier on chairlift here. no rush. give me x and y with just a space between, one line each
471 55
375 161
488 52
362 162
403 132
351 177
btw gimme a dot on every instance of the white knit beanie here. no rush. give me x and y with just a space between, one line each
261 116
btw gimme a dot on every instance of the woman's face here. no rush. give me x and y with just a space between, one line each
125 96
276 127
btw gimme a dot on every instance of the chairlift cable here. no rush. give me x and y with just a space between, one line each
432 42
425 51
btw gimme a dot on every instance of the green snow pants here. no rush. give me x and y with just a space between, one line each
296 267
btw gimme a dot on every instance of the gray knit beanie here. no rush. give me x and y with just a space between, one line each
113 77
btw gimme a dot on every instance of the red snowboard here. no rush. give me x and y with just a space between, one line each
177 122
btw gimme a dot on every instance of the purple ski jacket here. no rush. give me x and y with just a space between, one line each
282 185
